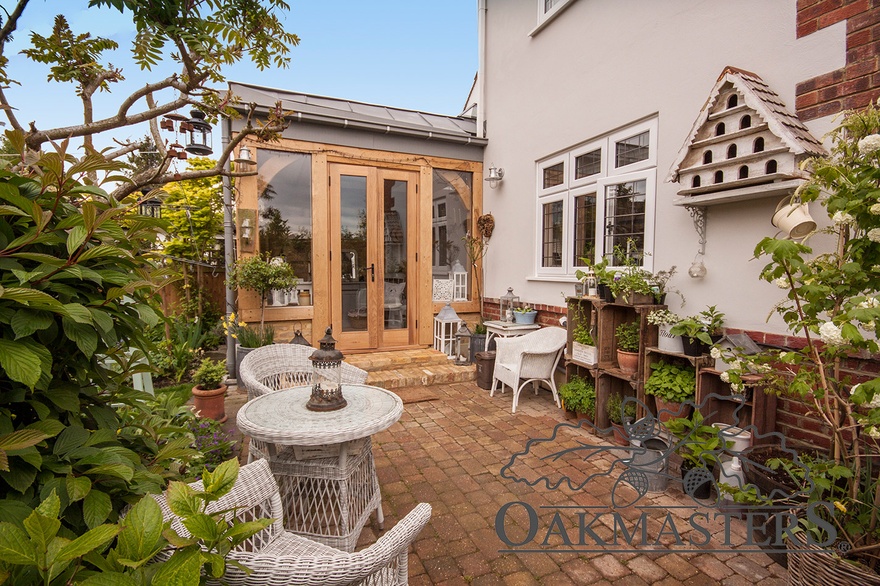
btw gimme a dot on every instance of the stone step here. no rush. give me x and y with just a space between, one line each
376 361
422 375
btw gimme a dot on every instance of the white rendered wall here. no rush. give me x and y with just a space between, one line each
602 65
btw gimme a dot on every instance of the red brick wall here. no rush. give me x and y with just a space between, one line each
548 315
858 82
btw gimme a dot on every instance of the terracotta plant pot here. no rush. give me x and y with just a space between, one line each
210 404
667 410
628 361
619 436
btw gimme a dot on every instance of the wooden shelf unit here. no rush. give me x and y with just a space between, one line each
653 354
759 411
603 319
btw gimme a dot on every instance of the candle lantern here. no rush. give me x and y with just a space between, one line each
199 135
590 283
463 345
326 376
445 325
506 304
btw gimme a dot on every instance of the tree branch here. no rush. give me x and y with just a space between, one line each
13 121
11 22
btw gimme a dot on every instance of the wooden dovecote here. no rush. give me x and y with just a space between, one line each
744 145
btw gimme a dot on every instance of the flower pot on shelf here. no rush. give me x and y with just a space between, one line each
693 346
632 298
667 342
604 293
628 361
304 297
583 353
210 404
667 410
525 318
619 436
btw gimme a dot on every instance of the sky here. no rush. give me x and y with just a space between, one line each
415 54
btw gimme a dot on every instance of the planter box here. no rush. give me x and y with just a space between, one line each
668 342
583 353
630 298
525 318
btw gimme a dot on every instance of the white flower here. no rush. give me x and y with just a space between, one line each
872 431
781 282
736 387
874 234
715 352
725 376
870 303
842 218
869 144
831 335
874 403
875 209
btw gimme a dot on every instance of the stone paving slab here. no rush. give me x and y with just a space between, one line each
450 452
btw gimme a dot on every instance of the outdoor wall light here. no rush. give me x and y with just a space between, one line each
247 227
495 176
698 269
199 135
246 230
244 158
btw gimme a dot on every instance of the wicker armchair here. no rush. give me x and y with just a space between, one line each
277 557
532 357
282 366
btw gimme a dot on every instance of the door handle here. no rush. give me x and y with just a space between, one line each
372 269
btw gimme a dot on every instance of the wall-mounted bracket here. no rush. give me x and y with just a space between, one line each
699 215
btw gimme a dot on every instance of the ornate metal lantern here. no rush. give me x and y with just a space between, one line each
326 376
445 325
459 278
590 283
463 345
506 304
199 135
298 338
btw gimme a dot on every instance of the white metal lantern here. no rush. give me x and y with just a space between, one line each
506 304
459 279
590 283
445 326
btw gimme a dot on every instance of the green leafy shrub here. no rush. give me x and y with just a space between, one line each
618 411
261 274
581 332
579 395
36 550
671 382
628 336
210 374
699 442
213 444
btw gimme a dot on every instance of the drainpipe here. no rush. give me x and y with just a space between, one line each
228 248
481 68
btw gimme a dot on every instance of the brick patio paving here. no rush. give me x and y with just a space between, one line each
450 452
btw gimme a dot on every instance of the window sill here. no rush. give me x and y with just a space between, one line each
553 278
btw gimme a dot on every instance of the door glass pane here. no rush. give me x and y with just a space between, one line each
353 216
394 238
451 221
625 220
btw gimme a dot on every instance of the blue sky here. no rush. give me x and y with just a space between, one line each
414 54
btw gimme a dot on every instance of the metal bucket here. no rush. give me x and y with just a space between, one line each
654 462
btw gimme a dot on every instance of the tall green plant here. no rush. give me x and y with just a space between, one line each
261 274
76 295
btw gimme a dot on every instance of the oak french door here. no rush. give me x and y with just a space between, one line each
372 256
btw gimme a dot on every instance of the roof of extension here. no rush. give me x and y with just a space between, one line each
370 117
759 97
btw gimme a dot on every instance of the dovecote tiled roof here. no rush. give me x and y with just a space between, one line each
788 132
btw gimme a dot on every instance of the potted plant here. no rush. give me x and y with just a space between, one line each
664 320
699 332
660 280
632 284
579 395
246 337
627 335
583 346
698 446
209 394
831 302
604 276
671 385
525 314
260 274
619 414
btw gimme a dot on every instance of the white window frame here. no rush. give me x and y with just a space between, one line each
650 177
544 18
648 125
549 163
560 271
570 189
596 145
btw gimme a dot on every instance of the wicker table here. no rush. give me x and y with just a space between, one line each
505 329
323 461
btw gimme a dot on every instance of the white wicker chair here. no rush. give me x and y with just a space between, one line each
282 366
277 557
532 357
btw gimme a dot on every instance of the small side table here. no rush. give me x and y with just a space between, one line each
323 461
504 329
